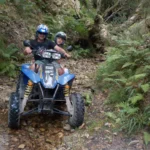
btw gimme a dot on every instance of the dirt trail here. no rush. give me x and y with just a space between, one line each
38 132
46 132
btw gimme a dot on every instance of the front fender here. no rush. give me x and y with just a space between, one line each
30 74
63 79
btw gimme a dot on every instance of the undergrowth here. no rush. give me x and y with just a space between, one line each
125 75
79 52
9 57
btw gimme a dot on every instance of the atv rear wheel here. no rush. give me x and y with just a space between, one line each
77 117
14 112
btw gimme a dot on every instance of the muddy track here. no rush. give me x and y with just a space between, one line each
37 131
43 132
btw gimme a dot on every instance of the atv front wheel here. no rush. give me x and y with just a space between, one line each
14 112
77 117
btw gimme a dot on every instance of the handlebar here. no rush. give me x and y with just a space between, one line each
39 52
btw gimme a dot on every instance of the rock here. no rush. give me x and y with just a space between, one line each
21 146
107 124
85 135
30 129
6 99
115 133
2 87
14 139
24 123
67 127
97 128
60 135
133 142
49 141
72 130
6 144
42 129
107 131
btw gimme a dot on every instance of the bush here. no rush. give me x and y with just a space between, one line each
80 52
76 26
126 76
8 59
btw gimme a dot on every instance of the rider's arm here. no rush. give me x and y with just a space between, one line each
27 51
61 50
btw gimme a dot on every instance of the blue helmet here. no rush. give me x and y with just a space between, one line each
42 29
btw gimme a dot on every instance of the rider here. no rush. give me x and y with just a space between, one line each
60 38
41 43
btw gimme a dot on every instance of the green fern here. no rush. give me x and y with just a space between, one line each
81 53
136 98
145 87
8 58
125 74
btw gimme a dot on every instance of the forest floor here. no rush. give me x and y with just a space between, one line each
40 132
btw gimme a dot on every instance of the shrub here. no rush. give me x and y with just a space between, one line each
80 52
8 59
126 76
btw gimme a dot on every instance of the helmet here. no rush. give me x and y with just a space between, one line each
61 35
42 29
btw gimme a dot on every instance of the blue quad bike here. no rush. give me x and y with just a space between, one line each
45 89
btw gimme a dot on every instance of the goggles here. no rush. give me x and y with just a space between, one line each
42 33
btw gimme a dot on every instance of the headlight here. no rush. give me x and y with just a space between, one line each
46 55
49 67
56 56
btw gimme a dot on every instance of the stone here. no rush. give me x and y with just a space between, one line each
85 135
21 146
67 127
107 124
72 130
115 133
60 135
14 139
49 141
42 129
30 129
133 142
24 123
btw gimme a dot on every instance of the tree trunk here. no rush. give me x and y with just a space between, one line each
134 17
109 11
99 4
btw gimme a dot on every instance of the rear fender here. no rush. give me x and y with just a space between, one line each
63 79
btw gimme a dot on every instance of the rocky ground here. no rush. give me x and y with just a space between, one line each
40 132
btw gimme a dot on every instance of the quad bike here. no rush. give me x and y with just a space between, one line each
44 89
